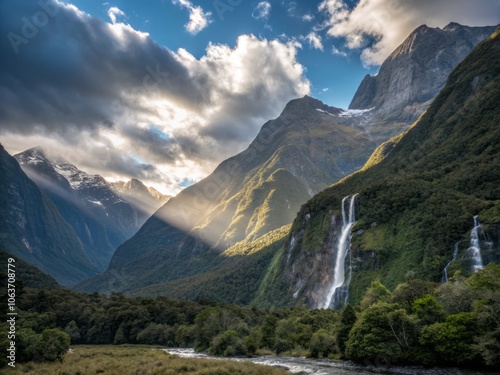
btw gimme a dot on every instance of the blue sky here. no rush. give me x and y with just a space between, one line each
164 21
165 90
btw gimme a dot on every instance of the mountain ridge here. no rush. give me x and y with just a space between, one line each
414 204
33 229
308 147
100 217
416 71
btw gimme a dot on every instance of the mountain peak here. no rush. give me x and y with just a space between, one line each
452 26
135 184
421 29
32 156
307 103
416 71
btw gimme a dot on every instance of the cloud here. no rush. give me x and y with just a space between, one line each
262 10
325 89
198 18
314 40
307 17
113 12
379 26
336 51
291 8
116 103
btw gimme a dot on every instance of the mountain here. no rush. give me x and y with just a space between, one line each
100 217
32 228
28 275
145 199
412 76
307 148
414 209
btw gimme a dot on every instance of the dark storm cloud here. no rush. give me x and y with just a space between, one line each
76 70
121 105
110 159
158 148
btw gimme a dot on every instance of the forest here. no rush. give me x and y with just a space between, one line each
419 322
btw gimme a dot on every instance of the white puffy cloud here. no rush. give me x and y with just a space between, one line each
314 40
198 18
262 10
113 12
118 104
379 26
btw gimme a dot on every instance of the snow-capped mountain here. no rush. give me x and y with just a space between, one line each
100 216
33 229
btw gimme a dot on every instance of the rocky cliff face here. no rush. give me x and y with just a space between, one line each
416 71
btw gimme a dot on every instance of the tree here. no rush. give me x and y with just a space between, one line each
53 344
406 293
185 336
429 310
455 296
26 340
450 342
347 320
73 331
227 343
486 287
383 332
322 344
268 331
377 292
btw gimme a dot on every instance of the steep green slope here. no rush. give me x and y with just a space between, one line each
101 218
416 197
236 277
32 229
27 275
308 147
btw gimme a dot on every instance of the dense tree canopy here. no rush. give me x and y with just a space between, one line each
456 323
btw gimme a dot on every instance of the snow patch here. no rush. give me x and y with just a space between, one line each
354 112
328 113
27 244
77 178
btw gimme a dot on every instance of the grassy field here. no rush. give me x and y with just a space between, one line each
137 360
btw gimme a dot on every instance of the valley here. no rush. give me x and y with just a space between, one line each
346 241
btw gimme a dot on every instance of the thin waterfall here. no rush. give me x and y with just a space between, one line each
348 282
445 270
475 249
342 247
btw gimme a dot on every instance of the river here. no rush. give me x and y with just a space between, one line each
300 365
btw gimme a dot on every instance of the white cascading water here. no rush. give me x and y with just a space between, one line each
348 282
343 246
474 249
445 271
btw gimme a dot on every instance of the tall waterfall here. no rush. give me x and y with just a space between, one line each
475 249
343 245
445 270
